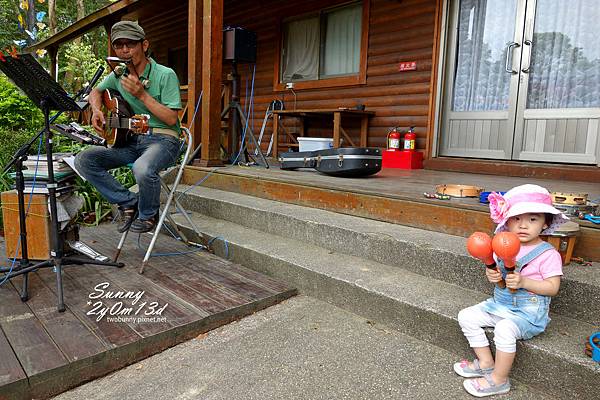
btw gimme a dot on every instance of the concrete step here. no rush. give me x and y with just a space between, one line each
299 349
437 255
417 305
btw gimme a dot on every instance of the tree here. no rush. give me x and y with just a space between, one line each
52 16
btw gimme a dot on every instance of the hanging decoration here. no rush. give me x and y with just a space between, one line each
20 43
31 31
32 34
21 22
13 52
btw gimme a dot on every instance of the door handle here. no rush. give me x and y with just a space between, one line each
527 69
509 53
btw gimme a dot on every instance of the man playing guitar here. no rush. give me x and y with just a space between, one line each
148 88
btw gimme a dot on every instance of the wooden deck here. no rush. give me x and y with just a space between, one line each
392 195
44 352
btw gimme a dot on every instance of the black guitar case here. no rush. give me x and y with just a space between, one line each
350 162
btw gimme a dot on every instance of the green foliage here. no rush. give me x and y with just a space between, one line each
81 66
9 30
95 208
17 112
66 15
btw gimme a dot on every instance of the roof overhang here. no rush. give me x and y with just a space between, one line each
86 24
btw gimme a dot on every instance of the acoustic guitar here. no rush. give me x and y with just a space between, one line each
121 123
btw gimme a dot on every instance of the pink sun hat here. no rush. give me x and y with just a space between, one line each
521 200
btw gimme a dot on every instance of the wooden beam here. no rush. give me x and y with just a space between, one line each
53 54
194 78
85 24
212 68
437 37
565 172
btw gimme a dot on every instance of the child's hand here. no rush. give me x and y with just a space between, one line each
493 275
514 280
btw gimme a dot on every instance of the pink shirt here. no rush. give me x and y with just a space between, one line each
544 266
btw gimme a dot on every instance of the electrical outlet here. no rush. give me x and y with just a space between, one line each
289 85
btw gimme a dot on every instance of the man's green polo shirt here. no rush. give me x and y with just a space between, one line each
164 87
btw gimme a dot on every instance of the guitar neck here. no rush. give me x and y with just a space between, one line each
120 123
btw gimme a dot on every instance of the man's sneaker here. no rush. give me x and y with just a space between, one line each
462 368
127 217
143 225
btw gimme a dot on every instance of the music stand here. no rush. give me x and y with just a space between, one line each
38 85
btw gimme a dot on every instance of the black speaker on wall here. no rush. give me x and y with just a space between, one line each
239 45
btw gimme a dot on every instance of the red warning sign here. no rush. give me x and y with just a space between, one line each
407 66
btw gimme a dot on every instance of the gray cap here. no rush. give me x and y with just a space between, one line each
127 30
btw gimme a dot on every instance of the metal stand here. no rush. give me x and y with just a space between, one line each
237 115
46 94
165 213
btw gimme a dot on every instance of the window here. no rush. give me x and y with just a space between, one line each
325 49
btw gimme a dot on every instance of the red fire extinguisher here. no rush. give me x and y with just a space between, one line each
410 139
393 140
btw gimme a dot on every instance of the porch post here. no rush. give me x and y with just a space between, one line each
194 78
107 26
53 53
212 67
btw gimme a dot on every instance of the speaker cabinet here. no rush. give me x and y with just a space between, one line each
37 223
239 45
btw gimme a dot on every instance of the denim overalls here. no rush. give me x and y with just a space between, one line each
529 311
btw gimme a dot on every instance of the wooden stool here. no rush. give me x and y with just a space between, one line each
564 239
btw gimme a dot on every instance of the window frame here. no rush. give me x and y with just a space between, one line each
351 80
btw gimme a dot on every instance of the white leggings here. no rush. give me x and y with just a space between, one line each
473 319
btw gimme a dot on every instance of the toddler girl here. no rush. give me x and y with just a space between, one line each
526 211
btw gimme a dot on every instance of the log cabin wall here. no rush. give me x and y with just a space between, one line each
166 29
399 30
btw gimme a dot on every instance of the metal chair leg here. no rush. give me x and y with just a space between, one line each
120 245
170 198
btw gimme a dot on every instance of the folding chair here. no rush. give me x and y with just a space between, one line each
165 212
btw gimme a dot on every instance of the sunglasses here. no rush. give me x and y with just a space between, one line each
129 44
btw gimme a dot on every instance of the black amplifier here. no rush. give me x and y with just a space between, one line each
239 45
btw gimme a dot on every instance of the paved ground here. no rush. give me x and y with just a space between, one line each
300 349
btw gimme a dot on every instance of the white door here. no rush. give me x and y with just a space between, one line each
523 81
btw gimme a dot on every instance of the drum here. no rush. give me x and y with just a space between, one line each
569 198
458 190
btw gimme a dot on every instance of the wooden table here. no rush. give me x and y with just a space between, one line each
335 113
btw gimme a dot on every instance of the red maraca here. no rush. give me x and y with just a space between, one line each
479 245
506 245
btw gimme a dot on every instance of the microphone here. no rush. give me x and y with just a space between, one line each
121 68
95 78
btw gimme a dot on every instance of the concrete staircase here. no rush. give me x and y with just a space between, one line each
408 279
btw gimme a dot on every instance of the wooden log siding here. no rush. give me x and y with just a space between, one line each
398 31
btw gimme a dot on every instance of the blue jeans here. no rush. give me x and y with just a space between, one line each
149 154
